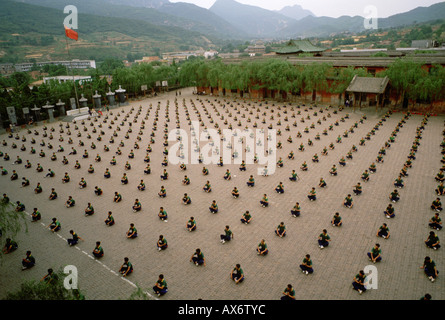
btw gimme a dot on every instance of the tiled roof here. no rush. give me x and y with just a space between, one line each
296 46
368 85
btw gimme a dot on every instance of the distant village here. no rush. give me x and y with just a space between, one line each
293 47
372 60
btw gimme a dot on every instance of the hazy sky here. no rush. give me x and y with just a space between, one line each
332 8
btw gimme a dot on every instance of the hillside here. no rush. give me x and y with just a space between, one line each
311 26
231 20
253 20
417 15
141 3
157 12
324 26
34 31
295 12
208 20
148 27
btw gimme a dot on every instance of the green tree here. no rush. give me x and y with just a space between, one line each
187 74
403 75
109 65
314 77
430 87
41 290
343 78
11 222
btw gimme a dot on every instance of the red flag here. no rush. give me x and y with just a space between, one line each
71 34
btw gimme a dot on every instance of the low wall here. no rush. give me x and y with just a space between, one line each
77 111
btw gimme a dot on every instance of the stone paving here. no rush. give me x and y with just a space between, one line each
399 273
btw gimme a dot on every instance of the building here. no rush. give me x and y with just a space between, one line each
369 91
171 57
73 64
148 59
210 54
23 67
355 50
300 46
60 79
423 44
6 69
256 49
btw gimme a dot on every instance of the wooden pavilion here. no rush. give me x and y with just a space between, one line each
369 91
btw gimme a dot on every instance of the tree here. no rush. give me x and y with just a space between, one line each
239 79
134 77
187 73
11 222
202 74
403 75
139 294
430 87
343 78
109 65
54 70
40 290
215 73
315 76
20 79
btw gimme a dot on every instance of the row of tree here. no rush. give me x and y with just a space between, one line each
409 79
414 81
17 90
150 75
270 74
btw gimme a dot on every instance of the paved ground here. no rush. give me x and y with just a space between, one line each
399 274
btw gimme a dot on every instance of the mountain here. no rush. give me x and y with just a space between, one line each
311 26
158 12
324 26
225 20
205 16
255 21
141 3
196 18
417 15
295 12
35 32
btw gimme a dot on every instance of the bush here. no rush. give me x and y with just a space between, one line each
38 290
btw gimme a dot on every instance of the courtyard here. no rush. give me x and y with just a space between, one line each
398 277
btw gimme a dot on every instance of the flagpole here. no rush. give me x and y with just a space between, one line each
72 73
